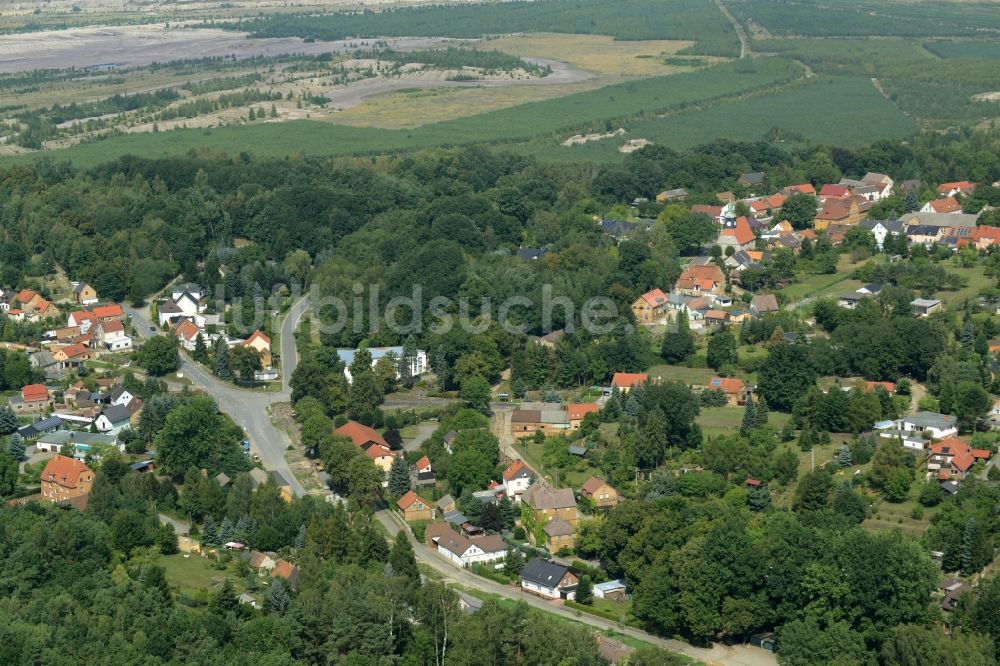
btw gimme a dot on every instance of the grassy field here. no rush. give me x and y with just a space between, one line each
635 20
418 107
813 285
595 53
691 376
976 282
854 113
964 49
190 574
726 420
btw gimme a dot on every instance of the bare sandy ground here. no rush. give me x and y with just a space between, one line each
128 46
352 95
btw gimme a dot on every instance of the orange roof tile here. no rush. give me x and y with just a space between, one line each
34 392
407 500
741 232
728 385
423 462
654 297
945 205
113 310
361 434
257 335
629 379
575 411
64 471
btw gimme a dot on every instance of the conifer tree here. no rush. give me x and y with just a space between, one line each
399 477
749 417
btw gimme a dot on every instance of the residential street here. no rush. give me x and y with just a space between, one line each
249 409
730 655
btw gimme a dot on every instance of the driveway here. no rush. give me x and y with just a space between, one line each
729 655
424 432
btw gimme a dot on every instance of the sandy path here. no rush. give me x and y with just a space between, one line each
355 93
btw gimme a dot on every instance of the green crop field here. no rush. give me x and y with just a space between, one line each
937 92
821 18
634 20
555 118
853 113
964 49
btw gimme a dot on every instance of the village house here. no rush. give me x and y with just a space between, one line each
286 571
65 479
600 492
951 459
418 366
115 418
111 334
650 308
700 280
752 179
262 345
548 579
963 187
34 399
187 333
415 507
370 441
804 188
717 213
81 319
844 211
881 229
930 424
462 550
626 381
84 294
764 303
577 411
82 442
517 478
559 535
111 312
549 340
547 503
947 205
261 562
984 237
832 191
732 387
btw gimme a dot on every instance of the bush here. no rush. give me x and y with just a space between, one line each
419 527
519 534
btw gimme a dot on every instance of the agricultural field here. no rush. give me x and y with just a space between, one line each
875 18
964 49
599 53
637 20
854 113
557 118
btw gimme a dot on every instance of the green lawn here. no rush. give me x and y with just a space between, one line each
194 573
724 420
977 281
695 376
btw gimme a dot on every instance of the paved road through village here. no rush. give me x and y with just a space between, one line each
249 409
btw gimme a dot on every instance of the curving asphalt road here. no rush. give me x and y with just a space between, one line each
729 655
249 409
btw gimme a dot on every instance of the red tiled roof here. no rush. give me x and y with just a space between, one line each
361 434
64 471
376 451
804 188
711 211
113 326
113 310
728 385
74 350
741 232
34 392
25 295
257 335
423 462
575 411
963 185
629 379
186 330
962 457
407 500
832 190
695 276
945 205
835 209
514 468
984 232
654 297
888 386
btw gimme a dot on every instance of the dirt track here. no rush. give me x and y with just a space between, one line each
352 95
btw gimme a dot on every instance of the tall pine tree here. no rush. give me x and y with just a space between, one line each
200 352
399 477
678 344
220 360
749 417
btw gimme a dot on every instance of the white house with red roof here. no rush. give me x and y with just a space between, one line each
651 307
957 187
945 205
626 381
